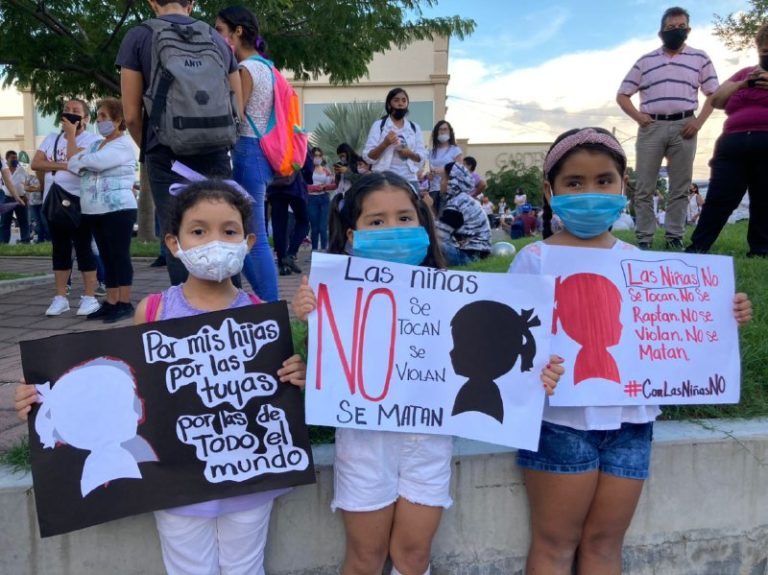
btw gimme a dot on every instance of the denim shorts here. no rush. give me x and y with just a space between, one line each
624 452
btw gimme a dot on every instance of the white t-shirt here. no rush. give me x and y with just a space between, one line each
438 158
18 178
66 179
528 261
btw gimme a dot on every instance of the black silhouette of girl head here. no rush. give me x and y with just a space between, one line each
488 338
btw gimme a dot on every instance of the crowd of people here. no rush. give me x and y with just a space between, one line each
399 201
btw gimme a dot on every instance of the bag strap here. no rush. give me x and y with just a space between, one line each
254 299
153 304
271 121
56 147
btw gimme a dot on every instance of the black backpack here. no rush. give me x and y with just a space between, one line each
189 100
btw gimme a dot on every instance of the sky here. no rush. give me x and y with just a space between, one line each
535 68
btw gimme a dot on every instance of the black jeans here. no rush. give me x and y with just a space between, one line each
112 232
739 164
62 241
20 211
280 202
158 162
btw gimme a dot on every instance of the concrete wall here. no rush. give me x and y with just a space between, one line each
703 512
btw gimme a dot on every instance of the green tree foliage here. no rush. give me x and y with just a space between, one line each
65 47
346 123
505 182
738 30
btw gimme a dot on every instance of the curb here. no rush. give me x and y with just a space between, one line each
7 286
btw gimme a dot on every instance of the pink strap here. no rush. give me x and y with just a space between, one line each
153 303
254 298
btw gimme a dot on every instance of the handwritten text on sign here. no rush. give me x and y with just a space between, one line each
644 328
214 361
403 348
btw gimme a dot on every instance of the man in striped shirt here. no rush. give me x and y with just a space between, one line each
668 80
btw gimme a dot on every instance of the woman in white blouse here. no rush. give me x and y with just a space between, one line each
107 170
395 143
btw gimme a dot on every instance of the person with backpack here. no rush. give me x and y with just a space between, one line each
181 96
240 29
395 144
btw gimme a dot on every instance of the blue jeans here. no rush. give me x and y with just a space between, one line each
623 452
38 223
454 256
317 207
251 170
6 221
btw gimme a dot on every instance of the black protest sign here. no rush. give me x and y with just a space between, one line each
164 414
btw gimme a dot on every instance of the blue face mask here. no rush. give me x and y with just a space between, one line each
397 245
588 215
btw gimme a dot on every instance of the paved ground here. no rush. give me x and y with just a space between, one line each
22 317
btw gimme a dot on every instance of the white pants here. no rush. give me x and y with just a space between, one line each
232 544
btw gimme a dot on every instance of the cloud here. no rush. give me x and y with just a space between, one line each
488 103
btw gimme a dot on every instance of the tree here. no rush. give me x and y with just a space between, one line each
347 123
60 48
504 182
738 29
67 47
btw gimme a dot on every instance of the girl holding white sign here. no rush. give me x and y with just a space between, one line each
585 480
209 231
392 487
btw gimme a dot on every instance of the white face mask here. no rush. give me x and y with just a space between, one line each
443 138
214 261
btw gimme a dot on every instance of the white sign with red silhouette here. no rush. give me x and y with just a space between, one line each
641 328
412 349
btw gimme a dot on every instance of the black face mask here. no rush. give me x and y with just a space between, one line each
399 113
673 39
764 62
74 118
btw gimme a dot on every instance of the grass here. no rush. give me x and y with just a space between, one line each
751 276
18 456
17 276
138 249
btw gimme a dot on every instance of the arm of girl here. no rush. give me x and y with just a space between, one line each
551 373
304 301
742 308
25 397
294 371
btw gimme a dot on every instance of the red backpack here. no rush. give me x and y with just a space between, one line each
284 142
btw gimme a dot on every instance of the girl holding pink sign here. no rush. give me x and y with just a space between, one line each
585 480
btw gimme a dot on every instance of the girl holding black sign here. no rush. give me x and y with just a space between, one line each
391 487
209 231
585 480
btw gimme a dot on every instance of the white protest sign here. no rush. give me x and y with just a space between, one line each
639 328
412 349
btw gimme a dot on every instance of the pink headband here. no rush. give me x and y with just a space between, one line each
585 136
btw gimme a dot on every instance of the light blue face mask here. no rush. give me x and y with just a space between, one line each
588 215
397 245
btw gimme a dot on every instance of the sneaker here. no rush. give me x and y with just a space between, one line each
88 305
158 263
674 245
101 290
102 312
58 306
645 246
284 270
121 310
290 262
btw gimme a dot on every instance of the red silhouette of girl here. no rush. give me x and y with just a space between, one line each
588 308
